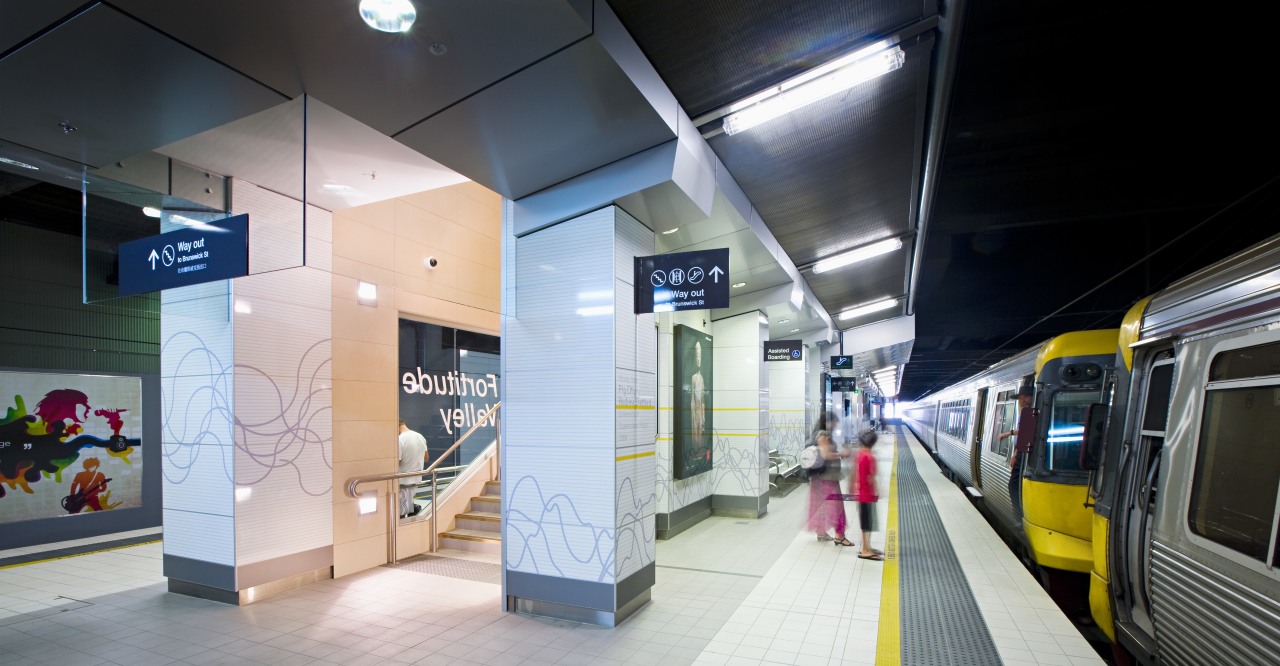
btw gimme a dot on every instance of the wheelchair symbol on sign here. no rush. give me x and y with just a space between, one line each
677 276
695 275
658 278
795 353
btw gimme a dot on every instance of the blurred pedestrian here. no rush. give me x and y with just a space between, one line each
826 502
864 489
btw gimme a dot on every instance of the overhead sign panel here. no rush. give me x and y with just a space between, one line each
682 281
783 350
844 384
841 362
211 251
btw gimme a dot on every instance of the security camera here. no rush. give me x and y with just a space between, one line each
430 263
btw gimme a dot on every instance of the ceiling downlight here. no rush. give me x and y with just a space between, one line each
388 15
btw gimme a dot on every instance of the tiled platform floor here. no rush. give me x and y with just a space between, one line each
728 591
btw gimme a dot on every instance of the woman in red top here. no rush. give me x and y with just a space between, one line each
865 491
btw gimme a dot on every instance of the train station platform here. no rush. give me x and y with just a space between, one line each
728 591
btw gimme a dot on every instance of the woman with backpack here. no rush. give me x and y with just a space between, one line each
826 502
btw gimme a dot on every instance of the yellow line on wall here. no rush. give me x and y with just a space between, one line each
633 456
633 407
889 640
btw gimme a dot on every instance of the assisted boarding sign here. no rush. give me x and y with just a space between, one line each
682 281
216 250
783 350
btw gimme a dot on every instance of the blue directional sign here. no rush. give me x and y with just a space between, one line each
844 384
841 362
204 253
682 281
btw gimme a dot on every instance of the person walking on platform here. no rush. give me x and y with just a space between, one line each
864 489
413 452
826 503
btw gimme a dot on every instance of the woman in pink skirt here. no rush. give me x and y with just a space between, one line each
826 504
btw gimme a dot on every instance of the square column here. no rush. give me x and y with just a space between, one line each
578 423
741 469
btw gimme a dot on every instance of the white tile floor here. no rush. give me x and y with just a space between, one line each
728 592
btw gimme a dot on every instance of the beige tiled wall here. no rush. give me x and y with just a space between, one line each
385 244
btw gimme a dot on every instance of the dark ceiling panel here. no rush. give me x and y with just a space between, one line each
387 81
838 173
20 19
125 87
713 53
568 114
871 280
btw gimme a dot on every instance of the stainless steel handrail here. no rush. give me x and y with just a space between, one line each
434 470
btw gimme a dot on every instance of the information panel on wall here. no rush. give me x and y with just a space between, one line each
217 250
682 281
69 444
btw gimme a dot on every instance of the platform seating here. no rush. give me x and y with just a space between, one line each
784 472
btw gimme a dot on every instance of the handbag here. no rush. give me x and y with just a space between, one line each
811 459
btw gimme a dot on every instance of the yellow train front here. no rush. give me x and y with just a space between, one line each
968 426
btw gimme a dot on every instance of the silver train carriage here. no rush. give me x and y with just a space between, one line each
1187 453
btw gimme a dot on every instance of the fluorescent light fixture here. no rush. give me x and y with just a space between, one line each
594 310
335 187
20 165
388 15
888 368
367 293
801 91
368 505
243 493
739 285
868 308
671 231
150 211
861 254
243 307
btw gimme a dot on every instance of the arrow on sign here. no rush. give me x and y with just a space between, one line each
715 273
152 258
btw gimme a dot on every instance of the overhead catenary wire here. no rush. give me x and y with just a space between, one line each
1111 279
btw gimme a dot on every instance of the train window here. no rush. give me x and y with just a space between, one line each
1006 414
1256 361
1233 491
1066 429
1156 413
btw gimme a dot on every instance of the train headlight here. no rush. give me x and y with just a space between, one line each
1080 372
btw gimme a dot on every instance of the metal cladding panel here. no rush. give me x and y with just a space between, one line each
714 53
881 277
126 88
863 143
387 81
1203 616
563 116
1241 286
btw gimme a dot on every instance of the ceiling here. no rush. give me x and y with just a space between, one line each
1024 153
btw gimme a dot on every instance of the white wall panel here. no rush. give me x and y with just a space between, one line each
741 456
787 406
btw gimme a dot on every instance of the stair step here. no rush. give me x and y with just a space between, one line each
486 502
488 516
493 488
472 535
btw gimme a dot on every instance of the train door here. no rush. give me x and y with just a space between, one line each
975 446
1139 486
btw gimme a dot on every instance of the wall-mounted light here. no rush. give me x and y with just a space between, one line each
860 254
243 493
868 308
368 504
367 293
819 83
243 307
388 15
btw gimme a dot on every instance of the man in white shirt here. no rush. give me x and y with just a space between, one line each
413 452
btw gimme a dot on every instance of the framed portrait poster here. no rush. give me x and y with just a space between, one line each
694 391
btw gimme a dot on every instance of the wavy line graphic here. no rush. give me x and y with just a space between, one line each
534 537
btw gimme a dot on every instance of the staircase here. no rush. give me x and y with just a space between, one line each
479 528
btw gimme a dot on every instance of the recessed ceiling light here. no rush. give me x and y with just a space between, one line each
150 211
21 165
795 330
388 15
739 284
335 187
671 231
783 321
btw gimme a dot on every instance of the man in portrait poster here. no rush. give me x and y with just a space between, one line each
693 415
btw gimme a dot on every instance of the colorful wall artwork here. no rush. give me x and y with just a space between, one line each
69 444
694 403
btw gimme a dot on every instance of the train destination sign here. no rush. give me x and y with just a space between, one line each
783 350
682 281
213 251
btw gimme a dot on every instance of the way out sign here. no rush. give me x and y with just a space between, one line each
217 250
682 281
